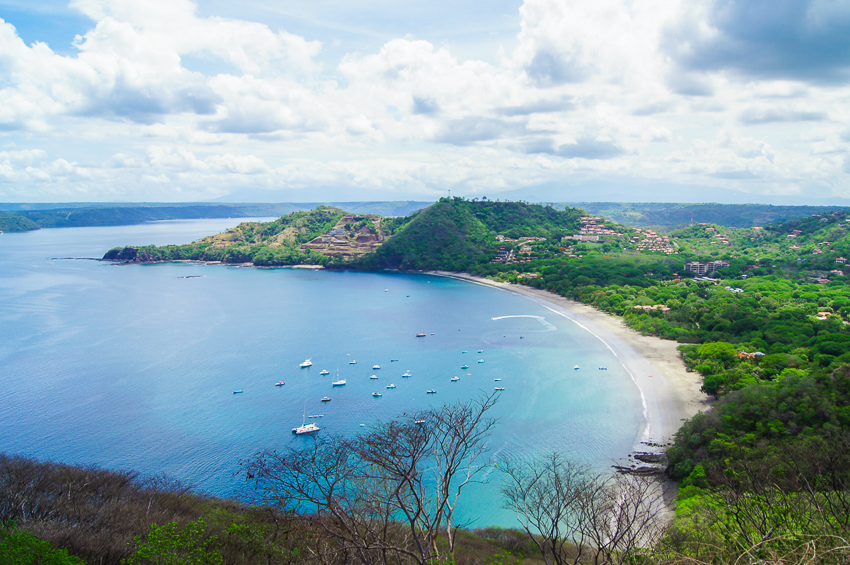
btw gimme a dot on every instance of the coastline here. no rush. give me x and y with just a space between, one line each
668 391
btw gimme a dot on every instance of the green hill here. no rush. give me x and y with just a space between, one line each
16 223
457 234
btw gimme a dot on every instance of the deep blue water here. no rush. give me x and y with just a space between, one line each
134 366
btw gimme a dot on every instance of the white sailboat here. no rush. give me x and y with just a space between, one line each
305 428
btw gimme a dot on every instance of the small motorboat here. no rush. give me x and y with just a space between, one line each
603 368
420 335
465 367
431 391
406 374
338 383
480 351
237 391
279 383
376 367
390 386
455 379
352 362
325 399
500 388
575 368
393 360
306 363
376 394
373 377
497 379
324 372
481 360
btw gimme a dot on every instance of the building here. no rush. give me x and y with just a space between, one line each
705 268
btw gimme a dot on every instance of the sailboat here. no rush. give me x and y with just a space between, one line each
305 428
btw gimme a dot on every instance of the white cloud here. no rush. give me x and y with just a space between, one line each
156 94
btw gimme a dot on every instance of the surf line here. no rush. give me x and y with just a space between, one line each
546 324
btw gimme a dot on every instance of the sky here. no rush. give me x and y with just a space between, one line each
297 101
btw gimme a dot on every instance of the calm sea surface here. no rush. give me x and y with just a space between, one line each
134 366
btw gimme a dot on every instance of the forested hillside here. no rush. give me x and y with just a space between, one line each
672 215
16 223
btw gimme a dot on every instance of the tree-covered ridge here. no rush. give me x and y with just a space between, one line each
290 240
672 215
16 223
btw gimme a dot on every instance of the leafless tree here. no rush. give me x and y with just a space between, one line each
386 495
577 516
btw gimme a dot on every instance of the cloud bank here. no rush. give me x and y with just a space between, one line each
161 100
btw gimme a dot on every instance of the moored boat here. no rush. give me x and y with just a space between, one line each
340 382
455 378
279 383
324 372
376 394
306 429
306 363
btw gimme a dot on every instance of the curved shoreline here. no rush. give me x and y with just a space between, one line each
669 393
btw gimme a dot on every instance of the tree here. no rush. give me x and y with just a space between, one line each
170 545
20 547
568 511
386 495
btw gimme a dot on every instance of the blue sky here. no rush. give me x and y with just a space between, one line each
566 100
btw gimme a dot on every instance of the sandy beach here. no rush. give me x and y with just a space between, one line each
669 393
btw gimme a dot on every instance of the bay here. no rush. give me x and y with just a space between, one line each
134 366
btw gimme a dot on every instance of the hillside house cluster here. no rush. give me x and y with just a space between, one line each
592 229
705 268
506 256
649 240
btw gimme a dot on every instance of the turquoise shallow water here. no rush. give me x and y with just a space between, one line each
134 366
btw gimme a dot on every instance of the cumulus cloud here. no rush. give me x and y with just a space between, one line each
713 92
803 40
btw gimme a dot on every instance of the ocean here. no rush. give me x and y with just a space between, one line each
135 366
